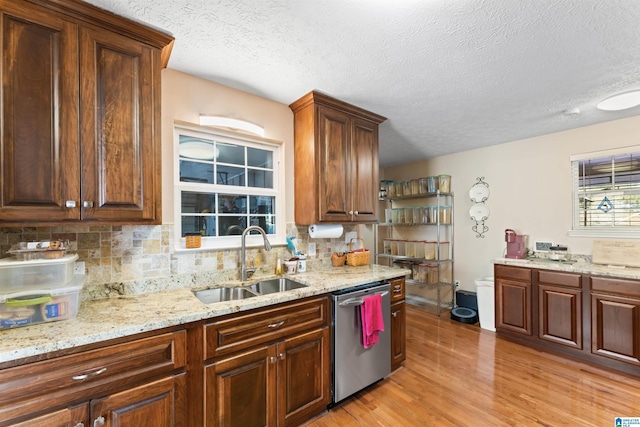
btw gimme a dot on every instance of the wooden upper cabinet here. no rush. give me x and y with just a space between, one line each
40 152
336 161
80 115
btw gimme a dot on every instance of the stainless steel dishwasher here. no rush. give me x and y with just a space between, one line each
353 366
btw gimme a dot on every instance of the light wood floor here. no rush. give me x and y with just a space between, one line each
461 375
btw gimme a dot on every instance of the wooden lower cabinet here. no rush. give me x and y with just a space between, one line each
281 381
560 308
129 384
398 334
513 306
615 322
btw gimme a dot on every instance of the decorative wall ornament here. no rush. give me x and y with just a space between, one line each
479 212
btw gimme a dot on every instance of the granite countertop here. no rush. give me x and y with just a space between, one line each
581 266
105 319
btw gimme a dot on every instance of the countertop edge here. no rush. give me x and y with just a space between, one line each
107 319
580 267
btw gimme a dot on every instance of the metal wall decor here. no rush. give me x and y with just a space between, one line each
479 212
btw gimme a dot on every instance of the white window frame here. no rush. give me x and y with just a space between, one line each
592 231
237 138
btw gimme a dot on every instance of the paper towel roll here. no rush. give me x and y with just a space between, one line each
329 231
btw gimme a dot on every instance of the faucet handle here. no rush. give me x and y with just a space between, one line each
250 272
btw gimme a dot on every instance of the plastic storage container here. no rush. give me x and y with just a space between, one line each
18 276
429 250
433 184
445 214
443 251
34 306
486 303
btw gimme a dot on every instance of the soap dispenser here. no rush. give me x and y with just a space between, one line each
278 270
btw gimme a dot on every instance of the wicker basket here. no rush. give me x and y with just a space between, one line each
338 260
193 240
362 257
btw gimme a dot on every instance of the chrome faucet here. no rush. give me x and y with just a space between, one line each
243 252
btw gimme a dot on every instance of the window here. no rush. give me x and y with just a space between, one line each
225 183
606 191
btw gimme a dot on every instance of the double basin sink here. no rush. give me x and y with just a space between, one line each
263 287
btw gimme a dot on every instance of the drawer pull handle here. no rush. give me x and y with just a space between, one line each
395 313
98 422
79 425
90 374
397 291
276 325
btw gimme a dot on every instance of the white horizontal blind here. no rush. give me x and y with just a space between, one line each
607 191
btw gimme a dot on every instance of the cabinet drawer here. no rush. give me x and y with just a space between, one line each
397 290
244 331
616 286
557 278
515 273
76 377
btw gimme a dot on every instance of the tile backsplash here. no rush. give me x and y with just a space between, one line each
133 259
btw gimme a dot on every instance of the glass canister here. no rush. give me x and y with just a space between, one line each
408 215
418 248
429 250
406 188
443 251
424 185
399 186
398 215
444 183
417 215
445 214
415 186
433 184
432 274
391 188
393 244
433 214
386 246
410 248
401 248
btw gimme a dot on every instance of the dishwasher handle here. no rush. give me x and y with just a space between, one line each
358 301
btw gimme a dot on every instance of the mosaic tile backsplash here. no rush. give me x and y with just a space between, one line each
124 260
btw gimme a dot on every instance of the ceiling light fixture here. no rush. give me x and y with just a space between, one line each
621 101
228 122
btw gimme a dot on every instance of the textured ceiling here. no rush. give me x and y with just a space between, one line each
450 75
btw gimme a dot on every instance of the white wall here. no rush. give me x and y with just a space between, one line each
530 184
185 97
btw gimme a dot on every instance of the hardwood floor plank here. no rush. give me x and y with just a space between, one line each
461 375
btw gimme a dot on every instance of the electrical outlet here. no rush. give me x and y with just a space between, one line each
350 235
311 248
78 267
457 283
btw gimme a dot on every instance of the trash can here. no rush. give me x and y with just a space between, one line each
486 303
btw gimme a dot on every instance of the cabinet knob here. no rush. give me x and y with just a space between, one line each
79 425
273 359
87 204
70 204
351 213
98 422
355 212
281 356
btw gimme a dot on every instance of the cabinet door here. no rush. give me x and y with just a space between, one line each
398 334
67 417
303 377
364 176
40 157
560 315
334 199
615 323
240 391
513 306
158 404
119 134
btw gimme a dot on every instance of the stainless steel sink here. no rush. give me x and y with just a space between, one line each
210 296
263 287
280 284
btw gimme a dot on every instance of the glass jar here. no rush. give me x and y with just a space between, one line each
559 253
444 183
445 214
424 185
429 250
443 251
433 184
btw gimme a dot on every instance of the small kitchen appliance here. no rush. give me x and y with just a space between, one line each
516 244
